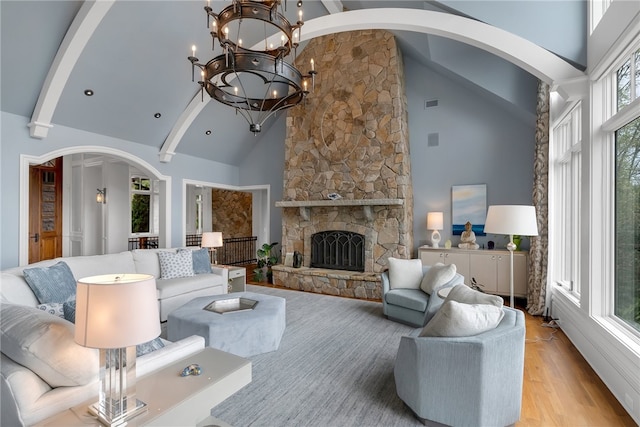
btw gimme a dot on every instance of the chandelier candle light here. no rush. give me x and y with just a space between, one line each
257 83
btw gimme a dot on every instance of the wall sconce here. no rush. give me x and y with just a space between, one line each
101 196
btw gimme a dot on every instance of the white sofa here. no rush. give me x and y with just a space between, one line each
172 293
26 398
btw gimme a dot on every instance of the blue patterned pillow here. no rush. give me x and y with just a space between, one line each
201 261
175 264
69 310
54 308
51 284
149 346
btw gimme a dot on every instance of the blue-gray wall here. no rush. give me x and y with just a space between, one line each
480 142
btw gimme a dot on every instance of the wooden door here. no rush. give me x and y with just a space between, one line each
45 210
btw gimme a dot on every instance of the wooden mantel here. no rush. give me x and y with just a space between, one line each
366 204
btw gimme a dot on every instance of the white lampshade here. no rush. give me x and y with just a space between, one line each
116 310
435 221
511 219
211 239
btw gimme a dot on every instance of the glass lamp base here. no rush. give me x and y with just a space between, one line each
120 413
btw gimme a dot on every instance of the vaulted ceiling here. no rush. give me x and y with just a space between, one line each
133 56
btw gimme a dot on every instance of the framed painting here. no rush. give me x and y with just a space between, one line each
469 203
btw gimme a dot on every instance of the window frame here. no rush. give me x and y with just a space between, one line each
153 193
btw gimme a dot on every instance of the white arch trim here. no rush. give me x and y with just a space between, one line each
77 37
519 51
26 160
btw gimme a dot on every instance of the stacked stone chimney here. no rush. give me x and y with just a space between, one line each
350 138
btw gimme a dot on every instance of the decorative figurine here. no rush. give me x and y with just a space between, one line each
468 238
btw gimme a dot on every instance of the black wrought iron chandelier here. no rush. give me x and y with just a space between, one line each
256 81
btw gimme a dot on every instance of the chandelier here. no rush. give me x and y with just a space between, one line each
256 81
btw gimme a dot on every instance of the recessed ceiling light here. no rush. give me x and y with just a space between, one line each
157 115
208 132
88 92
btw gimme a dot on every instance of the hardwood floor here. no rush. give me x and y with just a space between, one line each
560 388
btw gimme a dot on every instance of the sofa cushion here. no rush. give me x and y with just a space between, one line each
69 311
168 288
96 265
456 319
45 344
405 273
201 261
436 276
146 261
51 284
464 294
175 264
149 346
413 299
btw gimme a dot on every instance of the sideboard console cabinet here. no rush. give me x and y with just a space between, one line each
490 268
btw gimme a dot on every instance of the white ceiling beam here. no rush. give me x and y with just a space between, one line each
333 6
519 51
82 28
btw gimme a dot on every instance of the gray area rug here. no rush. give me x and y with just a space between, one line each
334 367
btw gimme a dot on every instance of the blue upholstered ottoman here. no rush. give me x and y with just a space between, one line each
244 333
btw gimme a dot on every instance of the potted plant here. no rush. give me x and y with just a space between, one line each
266 258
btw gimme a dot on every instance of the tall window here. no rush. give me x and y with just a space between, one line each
144 205
199 213
566 173
627 197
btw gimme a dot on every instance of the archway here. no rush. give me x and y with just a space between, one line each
164 230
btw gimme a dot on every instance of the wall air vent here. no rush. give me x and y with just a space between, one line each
431 103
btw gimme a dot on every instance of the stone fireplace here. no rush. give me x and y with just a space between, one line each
349 138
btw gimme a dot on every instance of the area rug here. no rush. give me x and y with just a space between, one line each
334 367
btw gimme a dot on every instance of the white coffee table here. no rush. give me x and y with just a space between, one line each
173 400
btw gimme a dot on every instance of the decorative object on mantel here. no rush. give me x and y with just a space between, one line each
490 244
468 238
256 80
334 196
468 204
288 259
435 222
511 220
447 244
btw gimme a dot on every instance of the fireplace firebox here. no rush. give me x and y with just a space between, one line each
337 250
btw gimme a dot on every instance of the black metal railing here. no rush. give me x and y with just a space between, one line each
146 242
234 250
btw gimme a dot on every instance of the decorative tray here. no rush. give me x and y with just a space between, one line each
231 305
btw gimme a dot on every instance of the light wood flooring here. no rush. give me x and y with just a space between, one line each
560 388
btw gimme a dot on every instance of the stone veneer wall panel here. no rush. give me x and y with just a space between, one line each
232 212
351 137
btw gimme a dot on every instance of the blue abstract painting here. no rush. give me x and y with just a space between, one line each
469 203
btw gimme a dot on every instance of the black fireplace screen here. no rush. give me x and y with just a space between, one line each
338 250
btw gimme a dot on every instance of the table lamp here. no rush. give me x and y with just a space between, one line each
114 313
510 220
435 222
212 240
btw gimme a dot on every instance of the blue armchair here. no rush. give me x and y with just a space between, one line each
412 306
465 381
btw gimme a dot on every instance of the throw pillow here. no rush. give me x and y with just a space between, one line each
464 294
51 284
54 308
69 310
437 276
45 344
456 319
149 346
175 264
405 273
201 261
